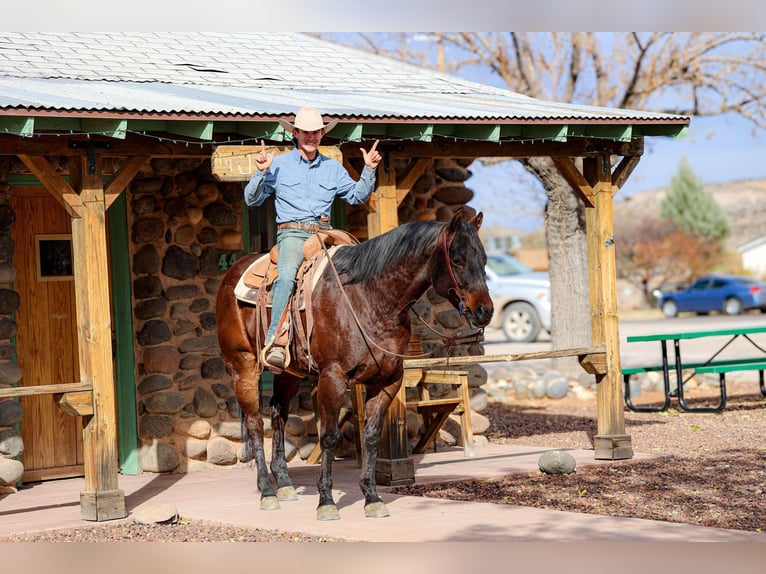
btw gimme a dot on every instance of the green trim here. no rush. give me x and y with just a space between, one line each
245 217
58 124
674 131
112 128
613 132
417 132
489 133
199 130
122 310
348 132
265 130
18 126
270 130
338 214
551 133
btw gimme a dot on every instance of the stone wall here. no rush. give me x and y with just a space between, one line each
11 444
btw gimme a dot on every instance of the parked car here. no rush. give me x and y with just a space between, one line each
730 294
522 298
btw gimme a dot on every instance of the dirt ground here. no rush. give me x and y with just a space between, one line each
713 472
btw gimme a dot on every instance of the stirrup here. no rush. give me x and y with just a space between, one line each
276 357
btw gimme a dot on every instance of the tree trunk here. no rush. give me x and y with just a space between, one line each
568 258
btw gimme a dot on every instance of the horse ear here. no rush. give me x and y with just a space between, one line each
477 220
462 213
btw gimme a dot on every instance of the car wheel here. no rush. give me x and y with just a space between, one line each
732 306
669 308
521 323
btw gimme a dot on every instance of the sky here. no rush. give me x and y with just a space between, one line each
719 150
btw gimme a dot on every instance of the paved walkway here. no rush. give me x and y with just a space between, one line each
230 496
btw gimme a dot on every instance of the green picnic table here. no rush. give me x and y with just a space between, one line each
714 364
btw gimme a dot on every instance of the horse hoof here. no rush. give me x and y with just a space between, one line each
376 510
269 503
286 493
328 512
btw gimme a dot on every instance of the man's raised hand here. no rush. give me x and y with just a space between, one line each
263 159
371 158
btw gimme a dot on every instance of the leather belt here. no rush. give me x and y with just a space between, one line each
307 226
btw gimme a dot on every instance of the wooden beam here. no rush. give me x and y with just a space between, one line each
122 178
101 499
54 183
79 404
579 184
572 147
416 170
44 389
503 358
623 170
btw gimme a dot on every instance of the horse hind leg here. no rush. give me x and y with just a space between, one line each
285 388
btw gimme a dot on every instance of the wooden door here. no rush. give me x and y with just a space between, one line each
46 341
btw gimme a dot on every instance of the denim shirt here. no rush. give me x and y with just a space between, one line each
306 190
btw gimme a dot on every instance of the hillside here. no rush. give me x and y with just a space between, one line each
744 202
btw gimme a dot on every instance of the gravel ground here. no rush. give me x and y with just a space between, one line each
712 473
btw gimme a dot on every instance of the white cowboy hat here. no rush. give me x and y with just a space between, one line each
308 120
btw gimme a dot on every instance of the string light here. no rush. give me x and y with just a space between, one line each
256 140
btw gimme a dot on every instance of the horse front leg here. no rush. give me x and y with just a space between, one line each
247 392
375 408
330 389
285 387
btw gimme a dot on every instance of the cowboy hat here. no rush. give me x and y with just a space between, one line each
308 120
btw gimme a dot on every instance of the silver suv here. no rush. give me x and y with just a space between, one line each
522 298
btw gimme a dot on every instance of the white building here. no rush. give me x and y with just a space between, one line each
754 255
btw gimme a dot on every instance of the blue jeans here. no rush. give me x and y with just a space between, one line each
289 258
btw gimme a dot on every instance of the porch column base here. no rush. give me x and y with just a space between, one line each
102 505
613 446
395 472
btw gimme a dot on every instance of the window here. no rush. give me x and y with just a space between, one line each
54 257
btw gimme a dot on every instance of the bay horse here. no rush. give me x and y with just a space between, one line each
361 329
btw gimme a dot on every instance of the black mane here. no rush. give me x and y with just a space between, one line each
365 262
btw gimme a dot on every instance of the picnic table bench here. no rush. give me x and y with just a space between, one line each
715 364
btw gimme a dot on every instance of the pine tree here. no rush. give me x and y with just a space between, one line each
692 208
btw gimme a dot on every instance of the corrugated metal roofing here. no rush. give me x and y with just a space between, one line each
254 76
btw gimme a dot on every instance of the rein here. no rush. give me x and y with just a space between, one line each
450 341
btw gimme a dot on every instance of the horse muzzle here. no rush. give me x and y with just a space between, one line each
478 310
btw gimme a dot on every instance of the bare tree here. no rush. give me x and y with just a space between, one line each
698 74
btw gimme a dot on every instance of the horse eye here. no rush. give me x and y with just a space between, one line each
458 260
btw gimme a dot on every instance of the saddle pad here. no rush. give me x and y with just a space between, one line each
244 292
248 294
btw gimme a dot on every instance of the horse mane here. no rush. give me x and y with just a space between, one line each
365 262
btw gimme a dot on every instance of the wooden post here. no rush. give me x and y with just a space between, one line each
610 442
101 499
393 467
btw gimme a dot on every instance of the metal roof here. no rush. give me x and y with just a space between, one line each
254 79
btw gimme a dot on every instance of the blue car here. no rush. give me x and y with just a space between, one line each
730 294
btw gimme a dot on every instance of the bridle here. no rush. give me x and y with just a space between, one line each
462 309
